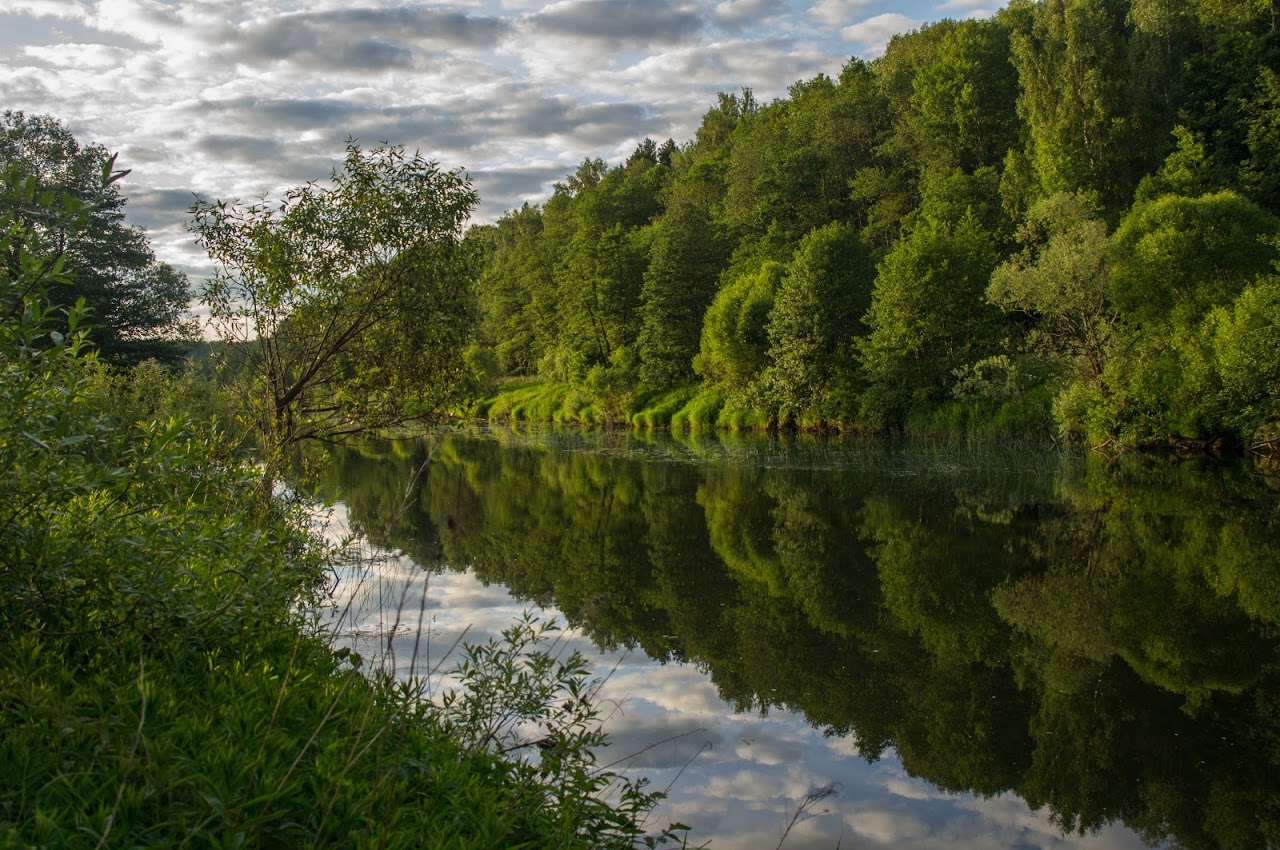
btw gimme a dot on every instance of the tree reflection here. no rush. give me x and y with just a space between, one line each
1100 638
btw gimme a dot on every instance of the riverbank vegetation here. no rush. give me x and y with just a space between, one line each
1059 221
163 678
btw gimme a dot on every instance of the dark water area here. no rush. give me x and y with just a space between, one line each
972 646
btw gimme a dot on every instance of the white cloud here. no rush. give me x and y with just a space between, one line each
837 12
966 9
64 9
874 33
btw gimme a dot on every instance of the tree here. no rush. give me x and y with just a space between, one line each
133 300
927 316
815 320
735 345
1084 136
1245 340
1060 280
1184 256
1173 261
684 267
961 111
350 303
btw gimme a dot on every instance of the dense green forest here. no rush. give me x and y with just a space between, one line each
1057 221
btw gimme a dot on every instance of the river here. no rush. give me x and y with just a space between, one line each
967 646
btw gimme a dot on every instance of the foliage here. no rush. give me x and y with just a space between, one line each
526 698
1060 281
927 313
1175 260
132 300
160 679
679 285
735 344
1050 125
1245 342
356 297
816 318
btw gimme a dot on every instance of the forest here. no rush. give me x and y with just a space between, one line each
1057 222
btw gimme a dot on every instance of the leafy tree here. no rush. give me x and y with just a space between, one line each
134 302
928 313
735 344
816 318
1259 172
1173 260
790 162
1246 338
1178 257
514 290
1082 132
961 109
685 261
1060 281
352 301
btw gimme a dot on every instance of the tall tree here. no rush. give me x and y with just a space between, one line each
134 301
1072 58
351 301
928 314
816 319
685 261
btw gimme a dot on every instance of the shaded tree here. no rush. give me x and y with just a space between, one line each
685 261
815 321
135 302
928 313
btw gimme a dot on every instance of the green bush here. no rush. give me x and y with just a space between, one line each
700 413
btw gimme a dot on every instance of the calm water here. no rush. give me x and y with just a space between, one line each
979 647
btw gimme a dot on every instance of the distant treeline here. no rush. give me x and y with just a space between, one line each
1060 220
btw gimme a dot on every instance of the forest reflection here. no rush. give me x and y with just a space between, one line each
1097 636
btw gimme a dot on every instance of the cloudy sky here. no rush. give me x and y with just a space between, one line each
240 98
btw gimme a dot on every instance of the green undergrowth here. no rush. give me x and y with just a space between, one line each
162 683
1029 416
658 410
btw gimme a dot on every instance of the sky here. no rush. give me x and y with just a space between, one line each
240 99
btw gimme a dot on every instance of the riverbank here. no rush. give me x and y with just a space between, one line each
697 409
163 681
161 685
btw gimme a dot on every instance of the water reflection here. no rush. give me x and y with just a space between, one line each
1007 627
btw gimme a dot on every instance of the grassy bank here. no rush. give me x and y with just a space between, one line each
698 409
162 683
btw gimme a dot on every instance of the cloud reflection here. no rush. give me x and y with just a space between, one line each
736 779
